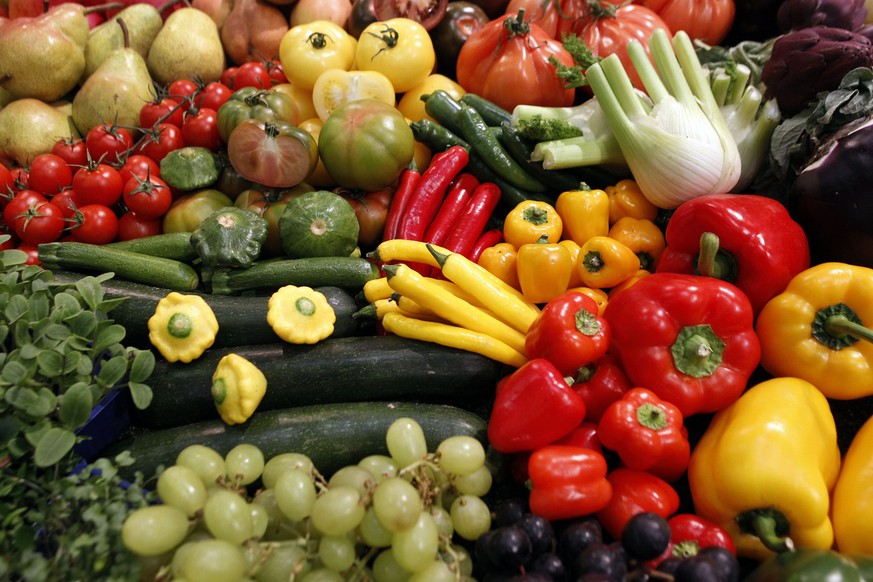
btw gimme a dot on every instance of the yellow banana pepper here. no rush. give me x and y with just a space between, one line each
642 236
376 289
502 260
626 199
605 262
238 387
585 214
300 315
765 467
182 327
530 220
853 496
543 270
815 330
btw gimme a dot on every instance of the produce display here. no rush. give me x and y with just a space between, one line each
436 291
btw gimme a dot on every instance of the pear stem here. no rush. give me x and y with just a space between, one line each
102 7
124 31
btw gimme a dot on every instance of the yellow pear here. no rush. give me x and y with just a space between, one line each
143 23
188 46
29 127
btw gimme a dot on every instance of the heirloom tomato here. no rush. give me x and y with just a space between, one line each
189 210
371 210
461 20
706 20
273 153
399 48
319 177
337 87
307 50
252 103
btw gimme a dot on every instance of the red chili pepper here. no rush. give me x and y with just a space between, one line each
533 406
487 239
568 332
430 191
647 433
567 482
409 179
756 244
687 338
471 224
635 492
456 199
600 383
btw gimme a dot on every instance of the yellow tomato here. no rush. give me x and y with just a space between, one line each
309 49
411 105
336 87
302 97
320 178
399 48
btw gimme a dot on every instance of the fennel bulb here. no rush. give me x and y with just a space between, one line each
681 146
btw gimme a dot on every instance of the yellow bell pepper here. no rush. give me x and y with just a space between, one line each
300 315
575 255
642 236
182 327
600 297
238 387
853 496
626 199
765 467
585 214
502 260
605 262
543 270
530 220
815 330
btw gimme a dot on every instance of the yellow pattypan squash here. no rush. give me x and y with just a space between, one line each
300 315
238 387
182 327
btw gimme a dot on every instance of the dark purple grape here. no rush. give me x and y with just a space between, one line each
508 512
551 564
669 565
645 536
609 559
577 536
509 548
726 561
540 532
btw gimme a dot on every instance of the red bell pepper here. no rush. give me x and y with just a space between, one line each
687 338
690 533
533 406
600 383
568 332
567 482
635 492
756 244
648 434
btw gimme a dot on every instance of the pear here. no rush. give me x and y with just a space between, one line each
143 23
188 46
43 57
116 91
29 127
253 31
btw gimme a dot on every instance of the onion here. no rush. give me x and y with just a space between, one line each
336 11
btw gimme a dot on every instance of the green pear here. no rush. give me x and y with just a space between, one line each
43 57
188 46
143 23
29 127
115 92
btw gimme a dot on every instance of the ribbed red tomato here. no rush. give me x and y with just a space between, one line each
705 20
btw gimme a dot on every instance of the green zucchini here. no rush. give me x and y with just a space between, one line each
241 320
332 435
128 265
345 272
368 367
170 245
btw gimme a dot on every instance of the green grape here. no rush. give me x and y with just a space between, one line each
266 498
182 487
372 532
478 483
295 494
244 463
336 553
227 517
205 461
281 463
380 466
179 557
443 520
322 575
337 511
397 504
461 454
436 571
387 569
415 548
154 530
282 563
471 517
260 520
406 442
355 477
459 558
214 561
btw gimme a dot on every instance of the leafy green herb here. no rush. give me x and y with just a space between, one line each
583 57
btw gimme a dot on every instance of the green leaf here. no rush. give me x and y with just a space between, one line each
107 337
76 405
141 395
57 331
29 351
53 446
112 371
16 308
20 397
39 306
108 305
50 363
9 427
4 333
14 372
79 343
83 323
91 291
143 365
44 404
66 305
72 359
34 432
12 257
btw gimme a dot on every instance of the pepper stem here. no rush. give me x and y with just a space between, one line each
837 326
714 262
765 528
840 325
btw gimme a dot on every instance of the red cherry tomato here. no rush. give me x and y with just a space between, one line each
161 110
108 143
67 201
252 74
98 184
20 177
41 222
181 89
149 196
227 77
95 224
72 150
19 204
213 95
32 252
131 226
201 129
49 174
139 165
277 73
161 140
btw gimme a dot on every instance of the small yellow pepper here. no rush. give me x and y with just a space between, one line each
642 236
530 220
502 260
376 289
300 315
626 199
630 281
605 262
765 467
585 214
238 387
853 496
182 327
575 255
600 297
543 270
